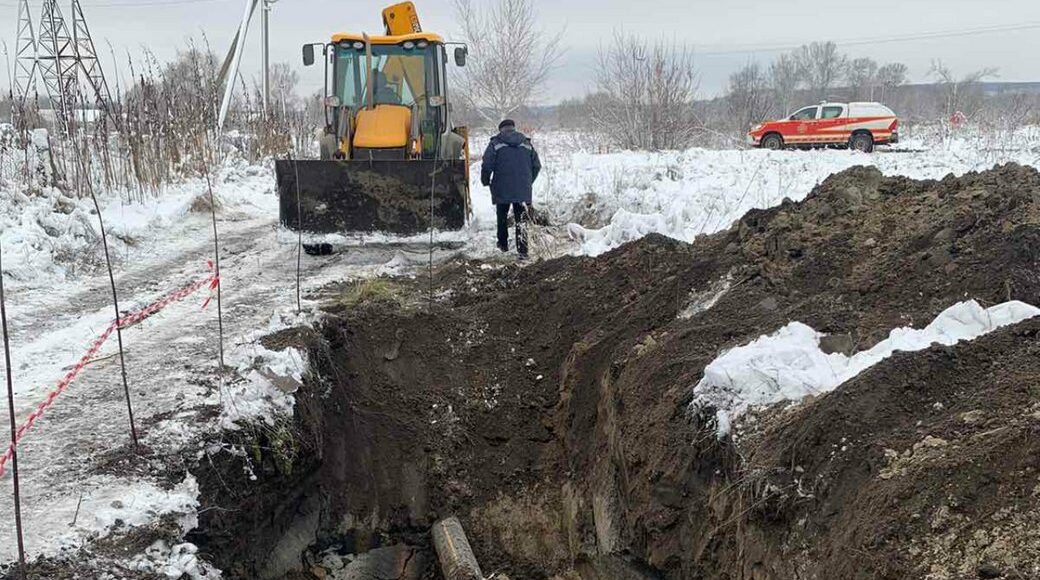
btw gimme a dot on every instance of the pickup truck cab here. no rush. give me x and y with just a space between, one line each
858 126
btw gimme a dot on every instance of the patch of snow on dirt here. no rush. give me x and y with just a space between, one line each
269 378
107 504
789 365
174 562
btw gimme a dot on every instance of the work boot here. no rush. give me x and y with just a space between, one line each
503 247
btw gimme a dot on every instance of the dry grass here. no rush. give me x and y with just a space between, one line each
372 290
161 128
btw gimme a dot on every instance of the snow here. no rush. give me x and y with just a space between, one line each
611 199
270 378
788 365
174 562
106 503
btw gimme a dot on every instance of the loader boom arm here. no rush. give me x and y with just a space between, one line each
401 19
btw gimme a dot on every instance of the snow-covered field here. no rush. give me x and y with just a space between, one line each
58 300
616 198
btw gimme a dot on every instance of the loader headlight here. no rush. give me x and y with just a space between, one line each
422 44
408 45
358 45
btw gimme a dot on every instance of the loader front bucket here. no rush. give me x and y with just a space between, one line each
371 196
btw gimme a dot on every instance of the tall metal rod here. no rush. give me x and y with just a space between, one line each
299 233
14 430
216 271
115 302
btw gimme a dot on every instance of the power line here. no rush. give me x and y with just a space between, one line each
791 45
144 3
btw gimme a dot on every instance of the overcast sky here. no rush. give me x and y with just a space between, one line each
725 33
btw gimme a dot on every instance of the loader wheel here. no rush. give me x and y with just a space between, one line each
773 142
862 142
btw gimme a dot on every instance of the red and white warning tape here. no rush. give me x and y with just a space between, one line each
212 281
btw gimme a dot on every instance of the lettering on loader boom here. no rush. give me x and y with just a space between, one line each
388 141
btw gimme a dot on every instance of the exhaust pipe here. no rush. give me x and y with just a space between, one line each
454 552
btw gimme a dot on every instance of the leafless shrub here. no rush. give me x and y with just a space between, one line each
749 98
960 94
646 93
161 127
511 57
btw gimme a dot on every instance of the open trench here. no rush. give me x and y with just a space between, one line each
548 408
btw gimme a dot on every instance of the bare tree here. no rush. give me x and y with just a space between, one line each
784 79
960 94
511 57
821 65
748 97
862 76
890 76
646 93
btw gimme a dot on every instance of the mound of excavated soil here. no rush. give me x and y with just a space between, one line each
548 406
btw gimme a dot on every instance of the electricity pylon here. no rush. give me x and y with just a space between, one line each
24 56
88 60
60 57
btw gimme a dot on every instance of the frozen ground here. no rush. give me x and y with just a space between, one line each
78 478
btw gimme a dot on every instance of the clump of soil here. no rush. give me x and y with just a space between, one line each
547 406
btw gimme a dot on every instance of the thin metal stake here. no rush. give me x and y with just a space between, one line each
115 303
216 262
14 430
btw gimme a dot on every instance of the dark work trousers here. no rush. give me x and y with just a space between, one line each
520 217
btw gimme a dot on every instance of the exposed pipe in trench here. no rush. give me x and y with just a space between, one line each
454 552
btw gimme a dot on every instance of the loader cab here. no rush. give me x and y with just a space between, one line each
386 96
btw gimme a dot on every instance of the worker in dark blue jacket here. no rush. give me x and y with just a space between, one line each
510 167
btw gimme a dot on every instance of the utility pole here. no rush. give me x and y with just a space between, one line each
229 71
266 40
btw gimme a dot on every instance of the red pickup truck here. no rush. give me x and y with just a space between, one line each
859 126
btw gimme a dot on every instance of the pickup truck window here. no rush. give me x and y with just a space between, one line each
806 114
832 112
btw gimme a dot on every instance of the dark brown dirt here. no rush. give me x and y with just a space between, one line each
547 406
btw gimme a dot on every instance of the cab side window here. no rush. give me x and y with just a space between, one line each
806 114
832 112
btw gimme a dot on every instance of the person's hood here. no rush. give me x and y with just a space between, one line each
511 136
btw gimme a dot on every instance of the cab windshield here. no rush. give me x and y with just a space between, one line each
400 76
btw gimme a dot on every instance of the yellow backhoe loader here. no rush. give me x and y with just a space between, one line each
391 159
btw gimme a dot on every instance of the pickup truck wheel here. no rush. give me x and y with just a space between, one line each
773 142
862 142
